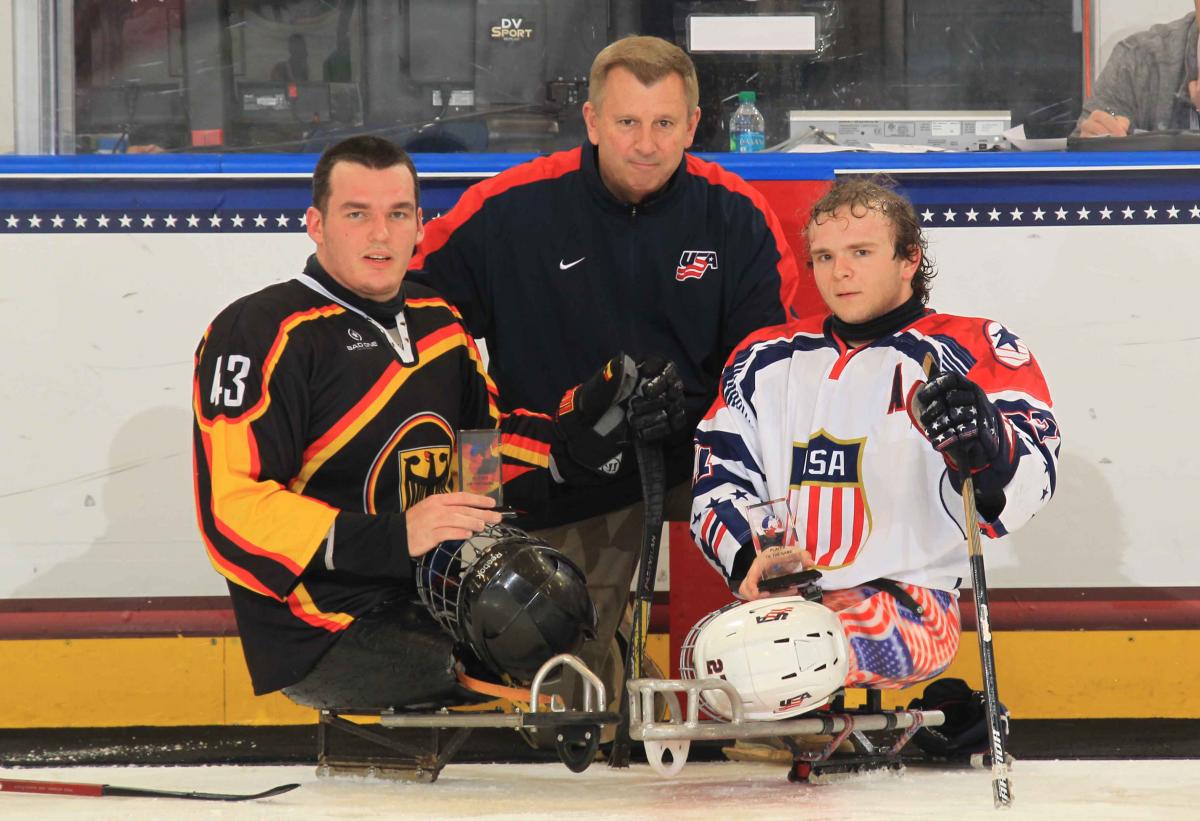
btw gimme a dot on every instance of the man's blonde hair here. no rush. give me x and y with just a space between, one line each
650 59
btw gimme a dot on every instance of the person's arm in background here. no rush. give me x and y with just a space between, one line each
452 260
1111 110
766 288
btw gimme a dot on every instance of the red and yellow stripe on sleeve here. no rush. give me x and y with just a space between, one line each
259 518
300 602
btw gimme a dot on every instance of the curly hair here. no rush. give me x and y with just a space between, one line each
878 193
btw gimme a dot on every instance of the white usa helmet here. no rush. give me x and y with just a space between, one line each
785 656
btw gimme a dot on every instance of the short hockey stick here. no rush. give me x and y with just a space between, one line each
108 790
1001 787
653 475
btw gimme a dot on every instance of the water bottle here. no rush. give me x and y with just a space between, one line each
746 126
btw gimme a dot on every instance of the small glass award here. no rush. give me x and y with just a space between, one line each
479 463
773 530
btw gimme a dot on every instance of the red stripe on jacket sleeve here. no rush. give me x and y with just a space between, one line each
789 271
438 231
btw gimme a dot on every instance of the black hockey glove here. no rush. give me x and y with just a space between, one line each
590 424
656 409
965 427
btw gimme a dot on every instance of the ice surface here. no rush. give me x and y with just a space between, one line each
1059 790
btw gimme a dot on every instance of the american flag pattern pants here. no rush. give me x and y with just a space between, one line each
890 646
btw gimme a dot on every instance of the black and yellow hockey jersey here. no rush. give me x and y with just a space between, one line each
315 428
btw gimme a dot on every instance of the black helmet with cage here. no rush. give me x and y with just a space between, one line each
513 600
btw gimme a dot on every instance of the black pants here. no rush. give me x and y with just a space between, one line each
394 656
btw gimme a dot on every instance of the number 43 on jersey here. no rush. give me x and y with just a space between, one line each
230 394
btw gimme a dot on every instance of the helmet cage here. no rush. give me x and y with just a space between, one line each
510 598
443 572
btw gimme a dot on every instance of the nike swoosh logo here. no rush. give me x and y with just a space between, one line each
562 266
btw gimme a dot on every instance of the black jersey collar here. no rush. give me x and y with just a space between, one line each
382 312
589 167
881 326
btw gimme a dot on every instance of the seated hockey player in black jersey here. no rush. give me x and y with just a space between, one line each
326 410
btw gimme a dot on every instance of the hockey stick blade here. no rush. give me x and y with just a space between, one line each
653 476
108 790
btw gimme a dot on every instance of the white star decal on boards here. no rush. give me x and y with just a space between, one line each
215 221
1038 214
1195 212
238 219
57 221
1151 212
12 221
1083 213
102 221
1173 212
35 221
1060 214
950 215
126 220
193 220
170 220
994 215
1127 213
971 215
147 221
80 221
281 221
1016 214
1105 212
260 221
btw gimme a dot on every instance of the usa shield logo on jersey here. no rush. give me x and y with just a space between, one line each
828 500
693 264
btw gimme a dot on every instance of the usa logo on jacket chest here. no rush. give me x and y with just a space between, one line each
828 500
694 264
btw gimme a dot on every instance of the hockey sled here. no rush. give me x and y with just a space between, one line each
667 742
576 733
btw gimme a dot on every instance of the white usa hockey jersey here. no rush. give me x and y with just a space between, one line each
830 428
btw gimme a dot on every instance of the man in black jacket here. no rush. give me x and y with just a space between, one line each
625 243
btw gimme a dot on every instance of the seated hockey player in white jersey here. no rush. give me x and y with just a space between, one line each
865 421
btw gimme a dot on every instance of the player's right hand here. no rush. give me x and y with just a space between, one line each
445 517
1102 123
772 562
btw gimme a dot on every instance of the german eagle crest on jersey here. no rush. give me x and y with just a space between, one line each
828 500
423 446
693 264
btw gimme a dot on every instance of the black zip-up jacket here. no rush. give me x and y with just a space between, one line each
557 275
